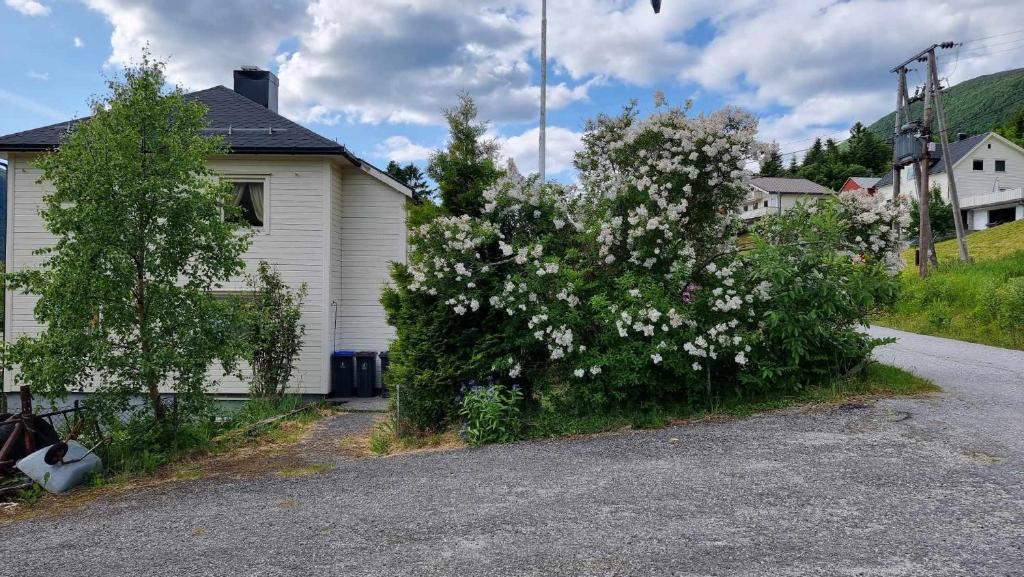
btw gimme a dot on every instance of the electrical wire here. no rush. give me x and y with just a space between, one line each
993 36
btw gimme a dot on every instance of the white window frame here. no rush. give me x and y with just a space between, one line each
267 196
995 167
982 161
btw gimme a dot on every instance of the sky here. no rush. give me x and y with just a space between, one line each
376 75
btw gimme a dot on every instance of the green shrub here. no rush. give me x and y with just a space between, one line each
628 291
491 414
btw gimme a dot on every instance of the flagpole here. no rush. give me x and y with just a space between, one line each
543 88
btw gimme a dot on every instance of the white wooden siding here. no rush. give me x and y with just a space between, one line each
294 245
372 234
331 226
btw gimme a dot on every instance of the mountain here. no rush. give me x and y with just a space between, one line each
974 106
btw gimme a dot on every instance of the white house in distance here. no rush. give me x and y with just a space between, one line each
322 217
989 174
773 195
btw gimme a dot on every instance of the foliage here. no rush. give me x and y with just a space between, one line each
141 446
627 289
411 176
831 265
1013 127
273 318
974 106
126 291
831 164
547 420
771 162
940 214
491 414
468 164
977 302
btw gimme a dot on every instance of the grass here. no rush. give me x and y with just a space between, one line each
981 302
877 381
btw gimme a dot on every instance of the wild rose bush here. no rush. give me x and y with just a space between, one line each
627 288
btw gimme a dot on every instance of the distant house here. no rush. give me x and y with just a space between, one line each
773 195
868 183
320 215
989 174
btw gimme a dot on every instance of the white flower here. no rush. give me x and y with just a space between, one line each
579 373
696 366
741 359
656 358
595 370
514 371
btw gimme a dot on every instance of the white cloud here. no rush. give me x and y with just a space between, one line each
28 7
810 66
38 75
401 149
77 41
203 41
828 62
562 144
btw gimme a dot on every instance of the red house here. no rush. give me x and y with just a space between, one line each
867 183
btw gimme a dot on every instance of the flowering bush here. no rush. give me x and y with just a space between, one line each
627 288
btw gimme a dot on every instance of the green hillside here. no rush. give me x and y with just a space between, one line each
981 302
975 106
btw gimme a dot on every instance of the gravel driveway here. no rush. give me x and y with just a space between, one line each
930 486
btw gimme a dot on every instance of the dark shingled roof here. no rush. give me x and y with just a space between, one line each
246 126
789 185
957 150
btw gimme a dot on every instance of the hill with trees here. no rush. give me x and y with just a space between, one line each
974 106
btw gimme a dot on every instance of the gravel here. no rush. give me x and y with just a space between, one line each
923 486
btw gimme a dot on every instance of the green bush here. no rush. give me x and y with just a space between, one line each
491 414
629 291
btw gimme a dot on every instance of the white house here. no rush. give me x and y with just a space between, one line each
322 217
774 195
989 174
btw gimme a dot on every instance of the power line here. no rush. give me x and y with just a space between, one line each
993 36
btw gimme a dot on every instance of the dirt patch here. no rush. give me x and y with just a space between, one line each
293 449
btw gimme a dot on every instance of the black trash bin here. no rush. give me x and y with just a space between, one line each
366 373
384 360
343 374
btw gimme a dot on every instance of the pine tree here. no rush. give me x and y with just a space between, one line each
411 176
771 162
468 164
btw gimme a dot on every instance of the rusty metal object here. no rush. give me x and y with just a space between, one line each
27 432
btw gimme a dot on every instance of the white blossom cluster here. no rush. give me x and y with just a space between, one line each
634 213
876 226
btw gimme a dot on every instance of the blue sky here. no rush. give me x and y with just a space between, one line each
375 77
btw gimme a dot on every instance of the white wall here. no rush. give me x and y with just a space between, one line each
295 243
372 232
969 181
296 202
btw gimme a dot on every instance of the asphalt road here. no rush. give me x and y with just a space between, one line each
931 486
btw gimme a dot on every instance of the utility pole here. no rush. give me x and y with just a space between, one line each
910 148
954 199
924 229
542 153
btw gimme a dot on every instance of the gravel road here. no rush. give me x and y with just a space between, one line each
928 486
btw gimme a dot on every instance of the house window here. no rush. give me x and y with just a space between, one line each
250 196
766 204
1000 166
978 164
911 171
